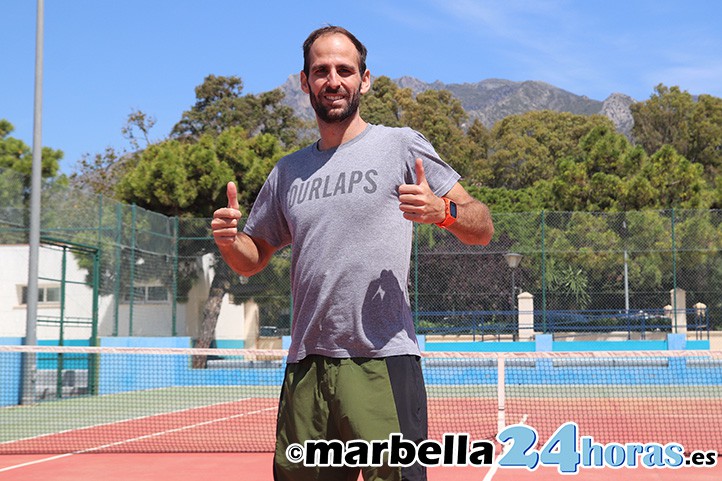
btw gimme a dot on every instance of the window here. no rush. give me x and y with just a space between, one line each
156 294
147 294
46 295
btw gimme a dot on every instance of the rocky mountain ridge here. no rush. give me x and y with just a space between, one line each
493 99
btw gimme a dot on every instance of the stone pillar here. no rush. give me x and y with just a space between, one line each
251 318
525 301
679 318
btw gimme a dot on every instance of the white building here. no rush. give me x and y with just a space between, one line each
152 307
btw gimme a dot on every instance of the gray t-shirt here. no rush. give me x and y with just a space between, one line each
351 246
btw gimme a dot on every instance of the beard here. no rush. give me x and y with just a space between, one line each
330 116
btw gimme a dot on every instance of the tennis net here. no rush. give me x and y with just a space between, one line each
110 399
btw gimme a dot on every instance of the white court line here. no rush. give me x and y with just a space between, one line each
495 466
37 461
127 420
139 438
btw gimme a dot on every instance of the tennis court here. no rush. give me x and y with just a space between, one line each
256 467
128 407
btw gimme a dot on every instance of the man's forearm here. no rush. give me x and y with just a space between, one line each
245 255
473 225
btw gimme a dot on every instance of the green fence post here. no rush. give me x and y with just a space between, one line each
96 294
416 276
118 264
674 271
63 280
61 335
97 256
543 274
174 303
131 283
93 364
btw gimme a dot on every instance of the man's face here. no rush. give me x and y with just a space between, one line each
334 83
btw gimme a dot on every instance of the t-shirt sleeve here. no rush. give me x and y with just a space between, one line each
440 175
267 220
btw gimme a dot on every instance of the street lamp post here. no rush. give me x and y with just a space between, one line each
29 362
513 259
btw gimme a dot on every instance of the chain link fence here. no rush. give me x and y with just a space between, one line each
578 273
585 273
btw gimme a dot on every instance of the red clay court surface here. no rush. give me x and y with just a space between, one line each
257 467
692 422
647 417
202 429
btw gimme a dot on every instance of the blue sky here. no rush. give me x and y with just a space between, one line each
105 59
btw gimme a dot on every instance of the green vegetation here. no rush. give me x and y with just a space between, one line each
541 161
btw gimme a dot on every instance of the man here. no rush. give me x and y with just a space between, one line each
344 204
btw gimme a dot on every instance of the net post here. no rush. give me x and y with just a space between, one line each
501 393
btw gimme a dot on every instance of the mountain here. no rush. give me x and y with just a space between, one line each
616 107
295 98
493 99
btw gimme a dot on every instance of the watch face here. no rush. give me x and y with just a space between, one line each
452 209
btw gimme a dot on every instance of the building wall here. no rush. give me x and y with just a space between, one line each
13 275
150 319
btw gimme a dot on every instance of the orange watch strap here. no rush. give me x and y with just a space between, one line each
449 219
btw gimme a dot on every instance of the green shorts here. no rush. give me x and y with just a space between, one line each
350 399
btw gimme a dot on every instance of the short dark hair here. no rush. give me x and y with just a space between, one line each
329 30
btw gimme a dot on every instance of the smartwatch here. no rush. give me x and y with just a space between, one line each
450 210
